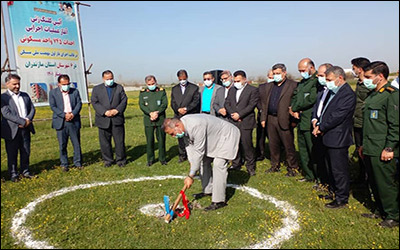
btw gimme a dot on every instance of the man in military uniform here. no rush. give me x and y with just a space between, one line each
153 102
381 142
362 93
303 100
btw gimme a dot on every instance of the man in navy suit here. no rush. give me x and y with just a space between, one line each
335 125
66 104
17 112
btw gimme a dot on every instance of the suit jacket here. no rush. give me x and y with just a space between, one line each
56 101
10 116
214 94
219 102
244 107
101 104
337 119
190 99
284 118
209 136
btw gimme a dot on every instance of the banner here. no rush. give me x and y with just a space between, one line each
47 43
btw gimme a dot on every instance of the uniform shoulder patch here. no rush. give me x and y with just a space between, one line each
390 89
161 89
143 90
381 90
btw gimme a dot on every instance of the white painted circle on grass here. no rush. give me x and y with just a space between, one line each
24 236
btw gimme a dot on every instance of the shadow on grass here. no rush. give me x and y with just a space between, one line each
238 178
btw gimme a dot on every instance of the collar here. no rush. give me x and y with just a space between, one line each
13 94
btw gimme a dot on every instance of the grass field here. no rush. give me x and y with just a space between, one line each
108 217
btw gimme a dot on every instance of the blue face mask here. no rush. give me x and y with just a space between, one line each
269 80
278 78
332 86
369 83
109 83
305 75
322 80
226 83
65 88
152 87
180 135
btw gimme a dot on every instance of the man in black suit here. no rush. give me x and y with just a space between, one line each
17 112
335 125
240 104
185 99
318 148
66 104
276 118
109 101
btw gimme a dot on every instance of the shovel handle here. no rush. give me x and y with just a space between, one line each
167 218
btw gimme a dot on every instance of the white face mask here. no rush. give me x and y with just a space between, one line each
183 82
109 82
238 85
208 83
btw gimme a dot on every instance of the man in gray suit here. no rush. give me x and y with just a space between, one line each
109 101
208 139
17 112
66 104
208 94
221 94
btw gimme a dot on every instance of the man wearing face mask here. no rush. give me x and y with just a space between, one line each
335 126
66 104
211 141
240 104
185 99
17 113
208 94
277 119
362 92
318 149
153 102
381 143
303 100
221 94
109 101
261 132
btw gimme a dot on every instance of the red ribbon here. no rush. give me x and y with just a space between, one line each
186 211
10 3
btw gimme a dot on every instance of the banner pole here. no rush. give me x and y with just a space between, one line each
84 62
7 62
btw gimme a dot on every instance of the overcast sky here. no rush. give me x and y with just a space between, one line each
134 39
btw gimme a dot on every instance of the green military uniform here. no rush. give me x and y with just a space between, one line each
303 100
150 101
381 130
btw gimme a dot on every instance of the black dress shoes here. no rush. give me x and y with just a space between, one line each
389 223
121 164
370 216
164 163
336 204
149 163
291 173
272 170
200 195
215 206
326 197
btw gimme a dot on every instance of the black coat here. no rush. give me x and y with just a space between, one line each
190 99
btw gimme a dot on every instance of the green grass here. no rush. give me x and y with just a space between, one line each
108 217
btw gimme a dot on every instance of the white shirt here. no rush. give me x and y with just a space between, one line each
226 92
67 102
321 103
183 87
239 92
19 101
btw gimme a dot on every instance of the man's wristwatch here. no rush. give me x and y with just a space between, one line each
389 150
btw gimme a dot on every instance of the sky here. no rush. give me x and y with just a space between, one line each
135 39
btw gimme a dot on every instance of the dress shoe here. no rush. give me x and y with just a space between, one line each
336 204
326 197
149 163
65 169
215 206
370 216
164 163
200 195
121 164
234 168
304 180
107 164
15 179
260 158
272 170
389 223
291 173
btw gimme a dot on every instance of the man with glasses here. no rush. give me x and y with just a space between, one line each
208 94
